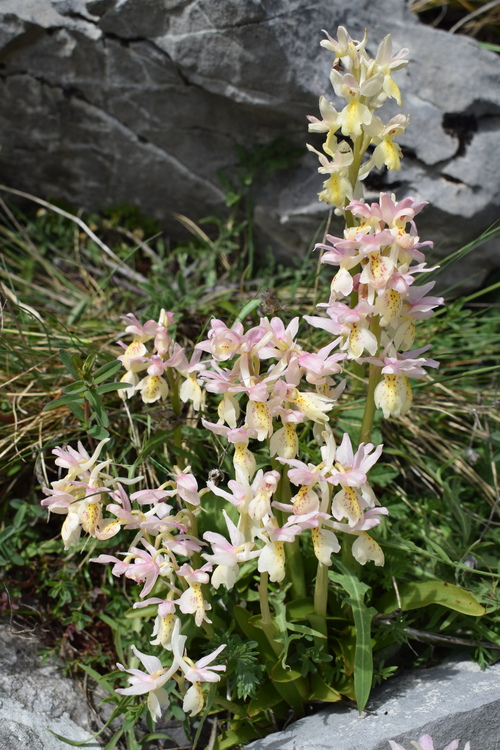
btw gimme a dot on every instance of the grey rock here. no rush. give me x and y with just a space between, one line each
36 698
145 101
455 700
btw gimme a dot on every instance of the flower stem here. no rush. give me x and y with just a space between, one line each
266 621
374 375
177 408
294 563
320 599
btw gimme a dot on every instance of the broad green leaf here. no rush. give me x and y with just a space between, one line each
241 736
363 657
320 691
299 609
72 363
279 674
417 595
250 627
305 630
267 697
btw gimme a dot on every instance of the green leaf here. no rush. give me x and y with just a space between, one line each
102 681
299 609
363 656
247 309
397 542
417 595
150 611
241 736
279 674
266 698
77 387
250 627
108 387
72 363
106 371
98 432
98 406
114 739
320 691
63 401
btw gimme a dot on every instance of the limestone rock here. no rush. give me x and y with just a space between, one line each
36 698
145 101
451 701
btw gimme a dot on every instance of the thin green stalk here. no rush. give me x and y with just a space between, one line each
374 375
266 620
177 408
369 413
318 620
294 564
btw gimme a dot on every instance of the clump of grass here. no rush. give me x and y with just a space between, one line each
476 18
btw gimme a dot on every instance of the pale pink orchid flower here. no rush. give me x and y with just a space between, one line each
272 555
141 331
187 487
227 554
165 606
222 342
351 468
218 380
152 680
146 567
408 364
303 474
320 366
149 496
192 602
78 462
426 743
236 497
371 518
386 210
263 487
136 356
281 342
201 672
196 673
419 305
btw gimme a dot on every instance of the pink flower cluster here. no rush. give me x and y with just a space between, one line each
167 357
375 261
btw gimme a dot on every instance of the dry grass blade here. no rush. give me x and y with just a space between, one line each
119 266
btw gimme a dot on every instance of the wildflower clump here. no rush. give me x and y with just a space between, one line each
298 515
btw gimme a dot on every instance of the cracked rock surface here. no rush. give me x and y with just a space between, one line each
36 698
454 700
145 101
